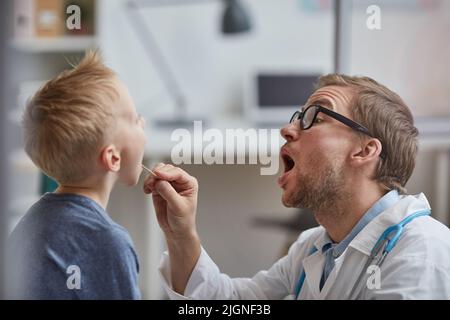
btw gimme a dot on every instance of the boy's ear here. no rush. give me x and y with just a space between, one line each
110 158
369 150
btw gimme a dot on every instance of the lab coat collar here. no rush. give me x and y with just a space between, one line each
385 202
322 239
407 205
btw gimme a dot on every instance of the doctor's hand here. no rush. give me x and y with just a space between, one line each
175 200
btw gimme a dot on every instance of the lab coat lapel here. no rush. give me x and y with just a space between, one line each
332 277
313 266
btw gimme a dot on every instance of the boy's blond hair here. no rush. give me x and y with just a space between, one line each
70 118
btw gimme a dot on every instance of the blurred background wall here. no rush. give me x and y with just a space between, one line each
3 167
241 220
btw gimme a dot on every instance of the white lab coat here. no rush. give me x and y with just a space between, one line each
417 268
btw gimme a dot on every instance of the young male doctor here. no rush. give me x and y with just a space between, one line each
348 155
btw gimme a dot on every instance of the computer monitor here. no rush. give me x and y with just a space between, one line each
273 95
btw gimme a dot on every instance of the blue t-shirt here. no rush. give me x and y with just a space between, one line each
67 247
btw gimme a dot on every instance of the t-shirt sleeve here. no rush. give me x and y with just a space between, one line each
114 274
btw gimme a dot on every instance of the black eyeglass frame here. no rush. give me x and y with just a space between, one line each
298 115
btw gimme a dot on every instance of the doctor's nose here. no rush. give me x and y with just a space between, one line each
290 132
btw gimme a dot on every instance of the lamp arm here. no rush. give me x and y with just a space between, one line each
154 53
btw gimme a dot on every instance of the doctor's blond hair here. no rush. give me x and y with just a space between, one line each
389 119
69 118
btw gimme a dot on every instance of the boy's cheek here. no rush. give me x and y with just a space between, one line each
143 139
134 169
130 178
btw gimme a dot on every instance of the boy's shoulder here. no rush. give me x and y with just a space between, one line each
65 217
62 231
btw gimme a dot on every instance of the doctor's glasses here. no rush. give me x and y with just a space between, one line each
307 117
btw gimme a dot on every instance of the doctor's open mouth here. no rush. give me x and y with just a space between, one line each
289 164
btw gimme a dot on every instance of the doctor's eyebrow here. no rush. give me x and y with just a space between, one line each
321 102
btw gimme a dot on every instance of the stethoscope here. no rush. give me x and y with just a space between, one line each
384 244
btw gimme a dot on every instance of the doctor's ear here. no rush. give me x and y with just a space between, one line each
110 158
369 150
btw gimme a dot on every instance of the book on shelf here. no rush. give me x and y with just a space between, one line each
48 18
23 18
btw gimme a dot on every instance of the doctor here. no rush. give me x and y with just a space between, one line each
348 155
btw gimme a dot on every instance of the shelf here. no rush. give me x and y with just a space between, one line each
59 44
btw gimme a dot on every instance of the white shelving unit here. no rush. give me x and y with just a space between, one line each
60 44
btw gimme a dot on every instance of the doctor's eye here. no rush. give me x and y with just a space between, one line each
318 120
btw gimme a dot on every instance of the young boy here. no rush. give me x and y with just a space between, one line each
81 128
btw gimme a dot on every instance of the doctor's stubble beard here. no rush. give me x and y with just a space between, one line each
321 188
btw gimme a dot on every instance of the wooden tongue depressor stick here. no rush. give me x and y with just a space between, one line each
148 170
